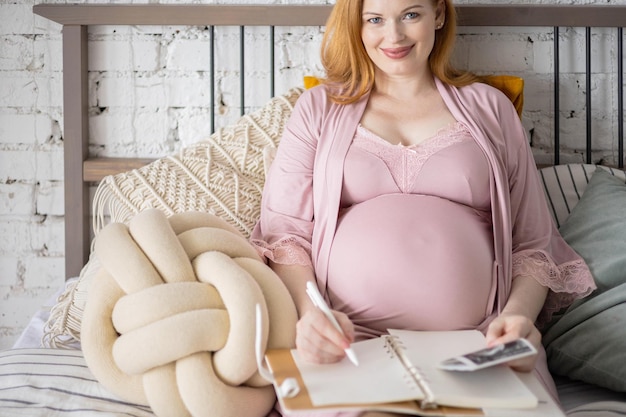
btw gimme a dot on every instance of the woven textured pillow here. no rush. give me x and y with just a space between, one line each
223 175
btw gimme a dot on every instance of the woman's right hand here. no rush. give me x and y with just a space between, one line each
318 341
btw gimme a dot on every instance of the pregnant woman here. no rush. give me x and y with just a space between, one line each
406 190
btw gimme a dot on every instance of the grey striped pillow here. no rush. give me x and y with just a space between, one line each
565 184
56 383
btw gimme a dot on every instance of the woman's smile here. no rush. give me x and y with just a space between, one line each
397 53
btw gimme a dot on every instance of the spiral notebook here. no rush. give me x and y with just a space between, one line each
398 373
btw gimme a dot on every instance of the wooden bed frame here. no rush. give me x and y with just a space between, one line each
81 169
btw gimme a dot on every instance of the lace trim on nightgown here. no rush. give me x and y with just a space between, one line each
406 162
567 282
290 250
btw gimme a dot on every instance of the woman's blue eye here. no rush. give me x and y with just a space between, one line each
374 20
410 15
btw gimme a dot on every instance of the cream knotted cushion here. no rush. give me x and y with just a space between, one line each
170 318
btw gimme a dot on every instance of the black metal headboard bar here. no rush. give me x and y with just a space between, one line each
557 97
588 95
212 70
242 69
272 61
620 96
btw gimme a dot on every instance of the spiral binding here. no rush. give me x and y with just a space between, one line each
395 348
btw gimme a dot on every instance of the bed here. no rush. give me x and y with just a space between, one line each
46 373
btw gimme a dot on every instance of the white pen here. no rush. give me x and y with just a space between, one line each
318 301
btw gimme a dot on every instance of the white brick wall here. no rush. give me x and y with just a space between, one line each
150 83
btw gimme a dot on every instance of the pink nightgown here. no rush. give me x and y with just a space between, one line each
413 248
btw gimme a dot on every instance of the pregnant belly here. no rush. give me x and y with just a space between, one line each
412 262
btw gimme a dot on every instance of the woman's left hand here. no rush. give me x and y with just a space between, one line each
508 327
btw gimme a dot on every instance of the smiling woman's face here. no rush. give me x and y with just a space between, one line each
398 35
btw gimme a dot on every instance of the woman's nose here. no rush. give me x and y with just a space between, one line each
394 32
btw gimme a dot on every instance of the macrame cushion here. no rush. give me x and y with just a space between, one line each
170 319
223 175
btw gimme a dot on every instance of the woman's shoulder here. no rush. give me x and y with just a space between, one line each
311 110
319 100
315 99
316 93
483 91
487 98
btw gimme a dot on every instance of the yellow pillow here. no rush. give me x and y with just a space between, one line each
510 85
311 81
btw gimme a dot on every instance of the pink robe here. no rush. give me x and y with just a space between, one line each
302 195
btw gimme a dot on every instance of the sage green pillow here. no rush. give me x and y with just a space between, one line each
588 342
596 229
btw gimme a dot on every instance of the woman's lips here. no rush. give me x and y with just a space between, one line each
397 53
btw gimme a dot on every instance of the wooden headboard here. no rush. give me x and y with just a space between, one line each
81 169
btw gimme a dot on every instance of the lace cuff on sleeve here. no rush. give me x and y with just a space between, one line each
567 282
290 250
